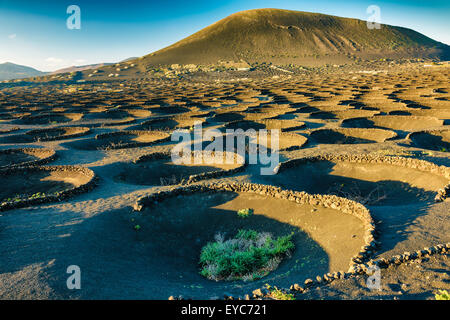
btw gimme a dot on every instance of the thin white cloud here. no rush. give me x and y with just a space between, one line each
12 36
53 62
80 61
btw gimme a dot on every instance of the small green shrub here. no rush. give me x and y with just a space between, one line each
277 294
248 256
245 213
442 295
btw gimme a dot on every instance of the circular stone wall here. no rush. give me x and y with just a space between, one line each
50 118
24 157
158 169
351 135
175 225
404 123
34 185
432 140
50 134
376 180
121 140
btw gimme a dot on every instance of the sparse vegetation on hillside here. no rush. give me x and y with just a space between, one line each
442 295
302 38
278 294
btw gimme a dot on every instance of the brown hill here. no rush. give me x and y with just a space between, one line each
9 71
80 68
284 36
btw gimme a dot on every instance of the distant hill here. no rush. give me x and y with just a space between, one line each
9 71
128 59
80 68
284 36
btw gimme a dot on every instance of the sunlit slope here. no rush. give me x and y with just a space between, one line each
283 36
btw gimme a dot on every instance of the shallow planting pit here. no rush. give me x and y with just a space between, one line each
9 130
25 156
351 135
373 181
40 184
121 140
438 140
111 114
244 125
159 169
404 123
282 125
50 134
167 110
51 118
226 117
168 123
286 141
180 223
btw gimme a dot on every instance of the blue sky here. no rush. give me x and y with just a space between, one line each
34 33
